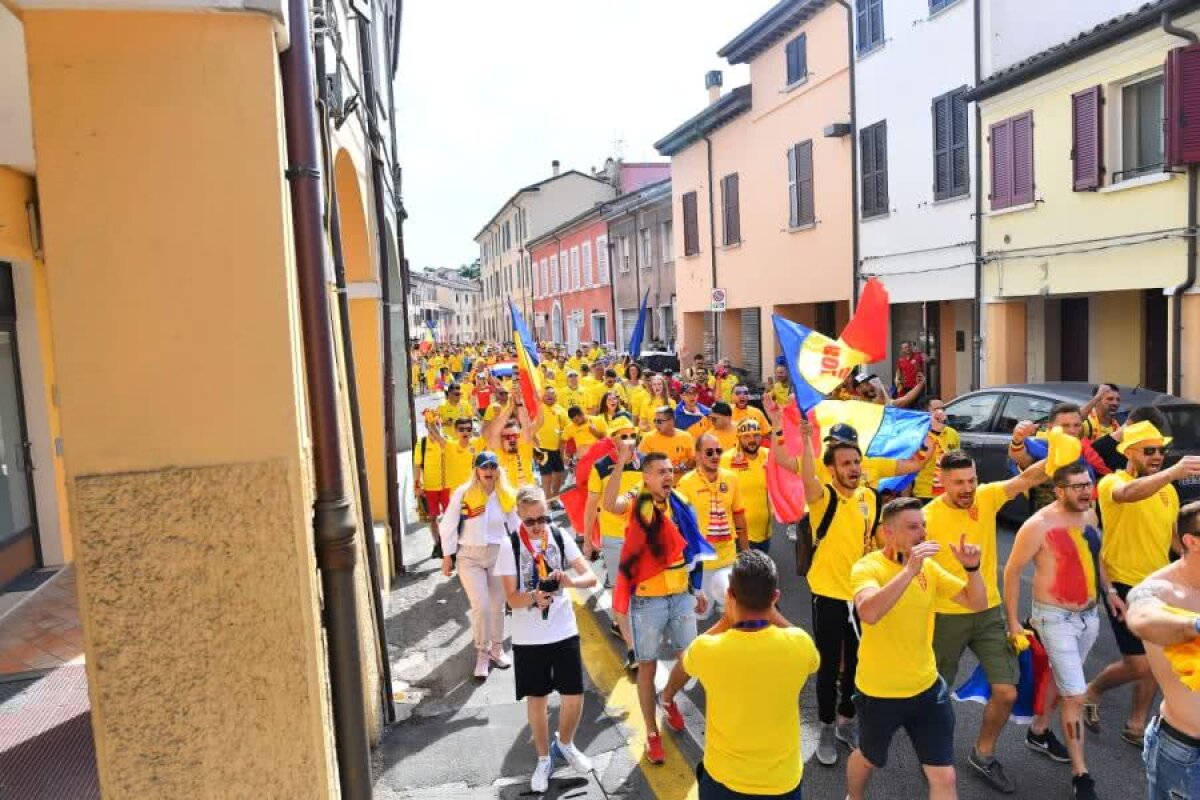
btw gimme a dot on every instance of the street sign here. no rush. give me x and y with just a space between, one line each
718 300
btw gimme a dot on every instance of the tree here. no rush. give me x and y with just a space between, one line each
470 271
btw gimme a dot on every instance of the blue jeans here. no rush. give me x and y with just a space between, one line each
711 790
658 620
1172 765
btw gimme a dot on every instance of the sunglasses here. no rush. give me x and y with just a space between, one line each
1154 451
711 451
531 522
464 428
489 467
511 437
627 437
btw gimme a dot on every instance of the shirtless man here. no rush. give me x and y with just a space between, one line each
1173 737
1063 541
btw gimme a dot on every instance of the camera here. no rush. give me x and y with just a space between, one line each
548 585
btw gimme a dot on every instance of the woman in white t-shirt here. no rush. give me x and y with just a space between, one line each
535 567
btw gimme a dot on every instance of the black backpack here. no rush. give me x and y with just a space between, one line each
806 543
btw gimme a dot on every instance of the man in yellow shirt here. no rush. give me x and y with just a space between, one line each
713 493
895 592
582 431
454 407
723 382
609 384
500 398
664 611
550 423
612 526
970 510
752 747
510 436
1100 412
459 451
574 394
743 410
942 439
586 379
780 386
679 447
722 426
1139 508
748 462
429 478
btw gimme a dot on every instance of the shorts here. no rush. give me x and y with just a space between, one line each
1127 642
436 501
714 584
610 548
1172 761
763 547
540 669
711 789
927 718
553 463
986 633
654 619
1068 637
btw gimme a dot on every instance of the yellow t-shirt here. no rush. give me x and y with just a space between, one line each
456 364
612 525
1094 429
873 470
490 413
929 480
560 379
554 421
428 454
597 392
518 466
449 413
460 461
946 524
715 505
680 447
752 736
581 434
723 387
1137 536
781 393
848 539
727 439
573 363
895 655
750 412
638 398
751 475
569 398
674 579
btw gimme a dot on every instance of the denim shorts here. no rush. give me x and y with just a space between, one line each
658 620
1172 764
1068 637
610 548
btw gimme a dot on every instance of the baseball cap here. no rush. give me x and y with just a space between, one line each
748 426
487 459
842 432
690 388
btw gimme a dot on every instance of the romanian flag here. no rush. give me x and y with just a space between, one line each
654 541
883 431
785 488
521 334
1031 686
1060 449
818 364
574 500
527 362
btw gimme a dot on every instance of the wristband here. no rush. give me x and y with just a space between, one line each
972 569
1113 590
1013 444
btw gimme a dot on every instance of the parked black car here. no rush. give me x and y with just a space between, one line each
985 420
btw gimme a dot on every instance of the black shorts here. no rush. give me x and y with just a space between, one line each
1127 642
927 718
544 668
553 463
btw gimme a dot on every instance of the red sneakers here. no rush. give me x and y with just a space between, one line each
654 749
674 716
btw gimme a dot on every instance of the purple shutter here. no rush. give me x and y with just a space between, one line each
1022 159
1087 139
1002 188
691 225
1183 106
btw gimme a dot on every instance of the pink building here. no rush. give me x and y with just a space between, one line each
572 282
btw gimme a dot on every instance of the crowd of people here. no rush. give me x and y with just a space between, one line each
902 582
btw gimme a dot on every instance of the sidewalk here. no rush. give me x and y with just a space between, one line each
458 737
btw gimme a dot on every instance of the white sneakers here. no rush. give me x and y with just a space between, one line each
483 663
540 781
499 658
569 753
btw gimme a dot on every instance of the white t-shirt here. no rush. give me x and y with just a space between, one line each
528 627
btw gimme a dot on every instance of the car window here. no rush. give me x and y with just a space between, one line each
972 414
1018 407
1185 427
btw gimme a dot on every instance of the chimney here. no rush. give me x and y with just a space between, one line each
554 167
712 82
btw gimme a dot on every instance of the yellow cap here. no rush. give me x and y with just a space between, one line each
748 426
620 423
1140 433
1061 449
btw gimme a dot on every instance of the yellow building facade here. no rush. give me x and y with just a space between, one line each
151 339
1077 275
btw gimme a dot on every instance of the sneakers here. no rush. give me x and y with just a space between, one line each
631 663
992 772
1083 787
654 749
827 745
540 781
570 754
496 656
1091 716
1048 745
615 630
674 716
483 664
847 734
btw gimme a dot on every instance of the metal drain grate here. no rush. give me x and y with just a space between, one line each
46 747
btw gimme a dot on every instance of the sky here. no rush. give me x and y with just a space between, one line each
490 92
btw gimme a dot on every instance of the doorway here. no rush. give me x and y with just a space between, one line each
1155 317
20 549
1073 338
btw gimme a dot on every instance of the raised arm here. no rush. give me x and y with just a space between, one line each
1150 619
491 430
1141 488
1030 477
1016 446
908 398
808 464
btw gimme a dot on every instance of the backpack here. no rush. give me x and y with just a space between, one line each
806 542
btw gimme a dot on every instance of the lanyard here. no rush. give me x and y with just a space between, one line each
751 624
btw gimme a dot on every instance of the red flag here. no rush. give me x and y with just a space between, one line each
867 331
649 549
531 382
575 499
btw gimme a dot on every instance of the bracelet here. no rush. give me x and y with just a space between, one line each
1111 590
972 569
1015 445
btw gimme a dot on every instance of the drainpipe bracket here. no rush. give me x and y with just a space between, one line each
335 528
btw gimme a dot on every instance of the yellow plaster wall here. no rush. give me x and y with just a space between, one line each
1191 347
16 190
168 253
1117 340
1005 343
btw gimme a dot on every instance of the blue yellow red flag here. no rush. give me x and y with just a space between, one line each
883 431
521 333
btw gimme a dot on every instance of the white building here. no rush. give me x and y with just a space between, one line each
447 303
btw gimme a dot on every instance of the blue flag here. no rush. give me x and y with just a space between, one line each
639 330
696 550
522 331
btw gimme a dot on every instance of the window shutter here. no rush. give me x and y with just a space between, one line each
864 33
1002 188
943 172
866 166
1022 159
876 21
729 205
1183 106
881 171
691 225
960 160
1087 139
793 193
804 183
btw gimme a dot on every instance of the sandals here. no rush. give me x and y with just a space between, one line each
1134 737
1091 716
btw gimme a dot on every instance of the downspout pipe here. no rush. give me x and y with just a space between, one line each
333 517
1178 291
379 190
977 305
637 274
712 246
356 429
854 243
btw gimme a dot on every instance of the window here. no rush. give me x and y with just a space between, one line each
554 274
800 185
1087 139
869 24
937 5
691 225
600 328
951 170
1141 129
564 268
575 268
972 414
796 54
666 241
872 142
623 253
1012 161
586 249
731 216
646 256
1019 407
545 279
602 260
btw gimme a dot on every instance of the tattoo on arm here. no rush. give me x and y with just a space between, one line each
1148 591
